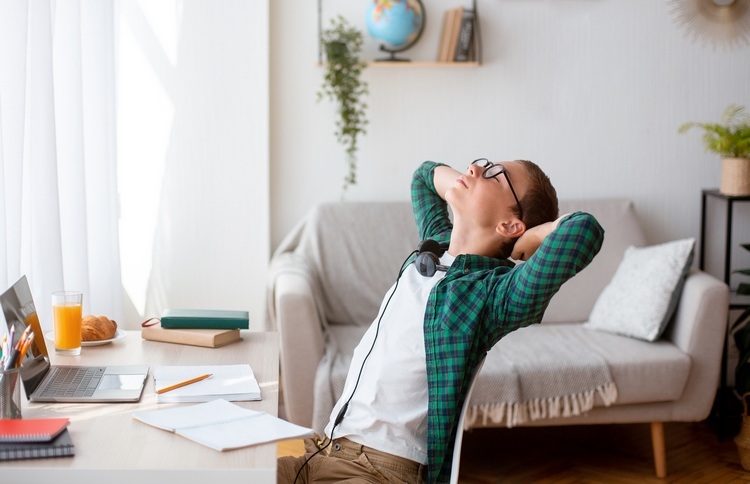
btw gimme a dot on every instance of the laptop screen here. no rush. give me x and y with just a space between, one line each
19 311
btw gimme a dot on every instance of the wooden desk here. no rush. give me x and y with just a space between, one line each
114 448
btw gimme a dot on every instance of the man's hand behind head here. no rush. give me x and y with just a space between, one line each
530 241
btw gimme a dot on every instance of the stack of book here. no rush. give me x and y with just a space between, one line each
207 328
457 35
35 438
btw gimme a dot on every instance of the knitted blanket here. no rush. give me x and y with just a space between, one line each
539 372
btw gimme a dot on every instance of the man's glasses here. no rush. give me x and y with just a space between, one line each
492 170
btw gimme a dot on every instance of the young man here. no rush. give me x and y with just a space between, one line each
397 418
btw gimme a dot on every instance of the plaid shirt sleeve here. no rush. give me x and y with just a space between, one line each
520 298
430 211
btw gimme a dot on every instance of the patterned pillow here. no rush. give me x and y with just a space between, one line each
642 296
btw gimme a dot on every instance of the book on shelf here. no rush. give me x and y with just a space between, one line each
465 37
222 425
205 319
455 30
31 429
209 338
445 36
230 382
457 35
60 446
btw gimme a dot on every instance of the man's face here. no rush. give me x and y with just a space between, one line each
487 201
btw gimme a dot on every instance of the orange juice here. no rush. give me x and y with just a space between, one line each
67 320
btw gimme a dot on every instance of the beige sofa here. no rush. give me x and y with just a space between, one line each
329 275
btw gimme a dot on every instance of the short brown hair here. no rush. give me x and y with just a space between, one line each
539 202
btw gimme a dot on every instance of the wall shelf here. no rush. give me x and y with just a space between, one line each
418 64
477 40
450 65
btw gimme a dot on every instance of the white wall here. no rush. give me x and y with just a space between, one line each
193 153
592 90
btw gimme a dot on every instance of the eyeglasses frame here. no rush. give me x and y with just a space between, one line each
502 171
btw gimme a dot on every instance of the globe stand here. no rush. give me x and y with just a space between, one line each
393 52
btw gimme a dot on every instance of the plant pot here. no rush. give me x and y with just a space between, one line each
336 51
735 176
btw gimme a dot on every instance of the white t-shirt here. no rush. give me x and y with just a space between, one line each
388 411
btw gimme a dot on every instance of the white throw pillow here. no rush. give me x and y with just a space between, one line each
642 296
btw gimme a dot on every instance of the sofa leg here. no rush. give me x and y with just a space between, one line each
660 451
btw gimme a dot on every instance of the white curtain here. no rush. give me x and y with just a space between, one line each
58 208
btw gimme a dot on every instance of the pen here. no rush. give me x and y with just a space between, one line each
184 383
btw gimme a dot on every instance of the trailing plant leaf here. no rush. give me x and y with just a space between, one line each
343 85
731 137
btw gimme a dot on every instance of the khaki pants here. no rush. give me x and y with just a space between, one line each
347 461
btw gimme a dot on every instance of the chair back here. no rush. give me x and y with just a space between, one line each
460 431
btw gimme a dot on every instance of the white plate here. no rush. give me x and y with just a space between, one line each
119 334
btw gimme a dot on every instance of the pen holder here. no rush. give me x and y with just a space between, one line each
10 393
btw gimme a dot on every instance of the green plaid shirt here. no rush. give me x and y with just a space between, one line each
479 301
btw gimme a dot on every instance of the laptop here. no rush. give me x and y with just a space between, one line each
44 382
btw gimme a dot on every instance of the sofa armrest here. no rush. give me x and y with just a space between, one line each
299 321
699 329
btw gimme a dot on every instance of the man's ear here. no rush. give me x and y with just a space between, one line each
511 229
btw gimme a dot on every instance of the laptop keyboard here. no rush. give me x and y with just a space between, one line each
71 381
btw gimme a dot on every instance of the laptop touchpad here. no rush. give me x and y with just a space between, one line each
120 382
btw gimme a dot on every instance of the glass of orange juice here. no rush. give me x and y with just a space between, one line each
67 309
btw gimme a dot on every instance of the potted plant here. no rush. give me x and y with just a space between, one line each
343 85
731 140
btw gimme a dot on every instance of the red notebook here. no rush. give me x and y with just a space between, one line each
31 429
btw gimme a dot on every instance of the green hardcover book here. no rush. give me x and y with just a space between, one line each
205 319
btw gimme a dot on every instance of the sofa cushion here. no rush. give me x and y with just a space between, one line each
643 372
576 297
642 296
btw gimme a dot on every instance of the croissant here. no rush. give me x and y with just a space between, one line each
97 328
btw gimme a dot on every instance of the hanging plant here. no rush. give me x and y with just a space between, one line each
343 85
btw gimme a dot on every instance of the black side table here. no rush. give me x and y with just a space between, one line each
735 302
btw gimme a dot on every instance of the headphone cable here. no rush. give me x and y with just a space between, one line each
342 412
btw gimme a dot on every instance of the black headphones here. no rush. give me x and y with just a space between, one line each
428 257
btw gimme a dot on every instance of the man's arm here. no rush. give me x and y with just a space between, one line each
430 209
444 177
532 238
564 251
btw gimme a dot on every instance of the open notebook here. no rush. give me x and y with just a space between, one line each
222 425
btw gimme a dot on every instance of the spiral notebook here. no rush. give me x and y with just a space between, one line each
60 446
31 429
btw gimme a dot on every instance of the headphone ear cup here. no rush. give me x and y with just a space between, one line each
429 245
426 264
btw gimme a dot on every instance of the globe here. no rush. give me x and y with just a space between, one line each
398 23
